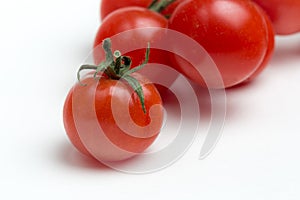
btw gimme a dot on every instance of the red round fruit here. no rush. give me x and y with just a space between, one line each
112 98
234 33
107 114
130 18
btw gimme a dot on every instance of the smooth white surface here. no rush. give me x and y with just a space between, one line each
42 44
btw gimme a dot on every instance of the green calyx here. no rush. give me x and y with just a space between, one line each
159 5
117 67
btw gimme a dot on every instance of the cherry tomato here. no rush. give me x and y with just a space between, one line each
284 14
131 24
108 6
129 18
107 115
234 33
106 118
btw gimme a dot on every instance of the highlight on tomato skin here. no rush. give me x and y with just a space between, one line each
235 35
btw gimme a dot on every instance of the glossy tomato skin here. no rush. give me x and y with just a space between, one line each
270 49
284 14
234 33
108 6
130 18
69 125
107 92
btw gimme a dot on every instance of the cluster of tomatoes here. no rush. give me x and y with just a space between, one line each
237 34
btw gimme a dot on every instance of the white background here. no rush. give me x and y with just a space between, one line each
42 43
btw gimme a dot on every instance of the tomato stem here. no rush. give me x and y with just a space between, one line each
109 57
159 5
84 67
116 67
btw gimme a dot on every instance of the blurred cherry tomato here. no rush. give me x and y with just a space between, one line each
284 14
234 33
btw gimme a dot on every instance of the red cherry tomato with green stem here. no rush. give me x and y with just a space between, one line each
117 90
